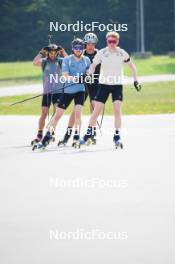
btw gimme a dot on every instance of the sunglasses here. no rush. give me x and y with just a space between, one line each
78 47
112 41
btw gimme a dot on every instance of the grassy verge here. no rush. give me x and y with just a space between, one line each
17 73
155 98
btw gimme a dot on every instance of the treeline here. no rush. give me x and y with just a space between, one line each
24 24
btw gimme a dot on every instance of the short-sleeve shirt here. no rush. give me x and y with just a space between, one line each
51 75
75 68
111 71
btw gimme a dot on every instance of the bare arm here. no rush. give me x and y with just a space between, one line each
92 68
133 69
37 60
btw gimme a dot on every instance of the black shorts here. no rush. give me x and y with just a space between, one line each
50 98
91 90
66 99
105 90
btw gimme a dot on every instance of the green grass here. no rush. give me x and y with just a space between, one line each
24 72
15 73
155 65
153 99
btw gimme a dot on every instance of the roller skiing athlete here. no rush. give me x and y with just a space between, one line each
73 67
112 58
90 41
49 59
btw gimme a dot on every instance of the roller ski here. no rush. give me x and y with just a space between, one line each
88 139
45 142
64 141
76 144
38 145
53 137
82 142
117 141
76 141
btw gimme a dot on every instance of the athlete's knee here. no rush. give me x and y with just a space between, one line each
78 113
59 112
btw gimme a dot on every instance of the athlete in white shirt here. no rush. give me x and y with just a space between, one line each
112 58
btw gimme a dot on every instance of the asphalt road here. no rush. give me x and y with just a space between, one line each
93 205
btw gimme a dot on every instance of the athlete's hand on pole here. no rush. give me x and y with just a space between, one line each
137 86
88 78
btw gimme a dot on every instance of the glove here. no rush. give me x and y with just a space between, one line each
137 86
88 79
61 51
60 48
85 78
43 52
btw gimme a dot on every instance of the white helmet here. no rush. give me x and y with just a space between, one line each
90 38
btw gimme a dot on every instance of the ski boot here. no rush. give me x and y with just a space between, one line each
117 141
89 138
53 136
76 141
43 144
94 136
94 140
37 139
63 142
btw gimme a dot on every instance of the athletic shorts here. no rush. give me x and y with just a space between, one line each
66 99
105 90
50 98
91 90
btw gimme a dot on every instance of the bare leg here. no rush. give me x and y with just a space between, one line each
43 117
58 114
68 133
72 118
78 110
117 122
117 114
98 107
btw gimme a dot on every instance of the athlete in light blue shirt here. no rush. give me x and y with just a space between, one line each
75 68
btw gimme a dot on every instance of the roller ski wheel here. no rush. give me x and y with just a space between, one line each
76 144
61 143
53 137
94 141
